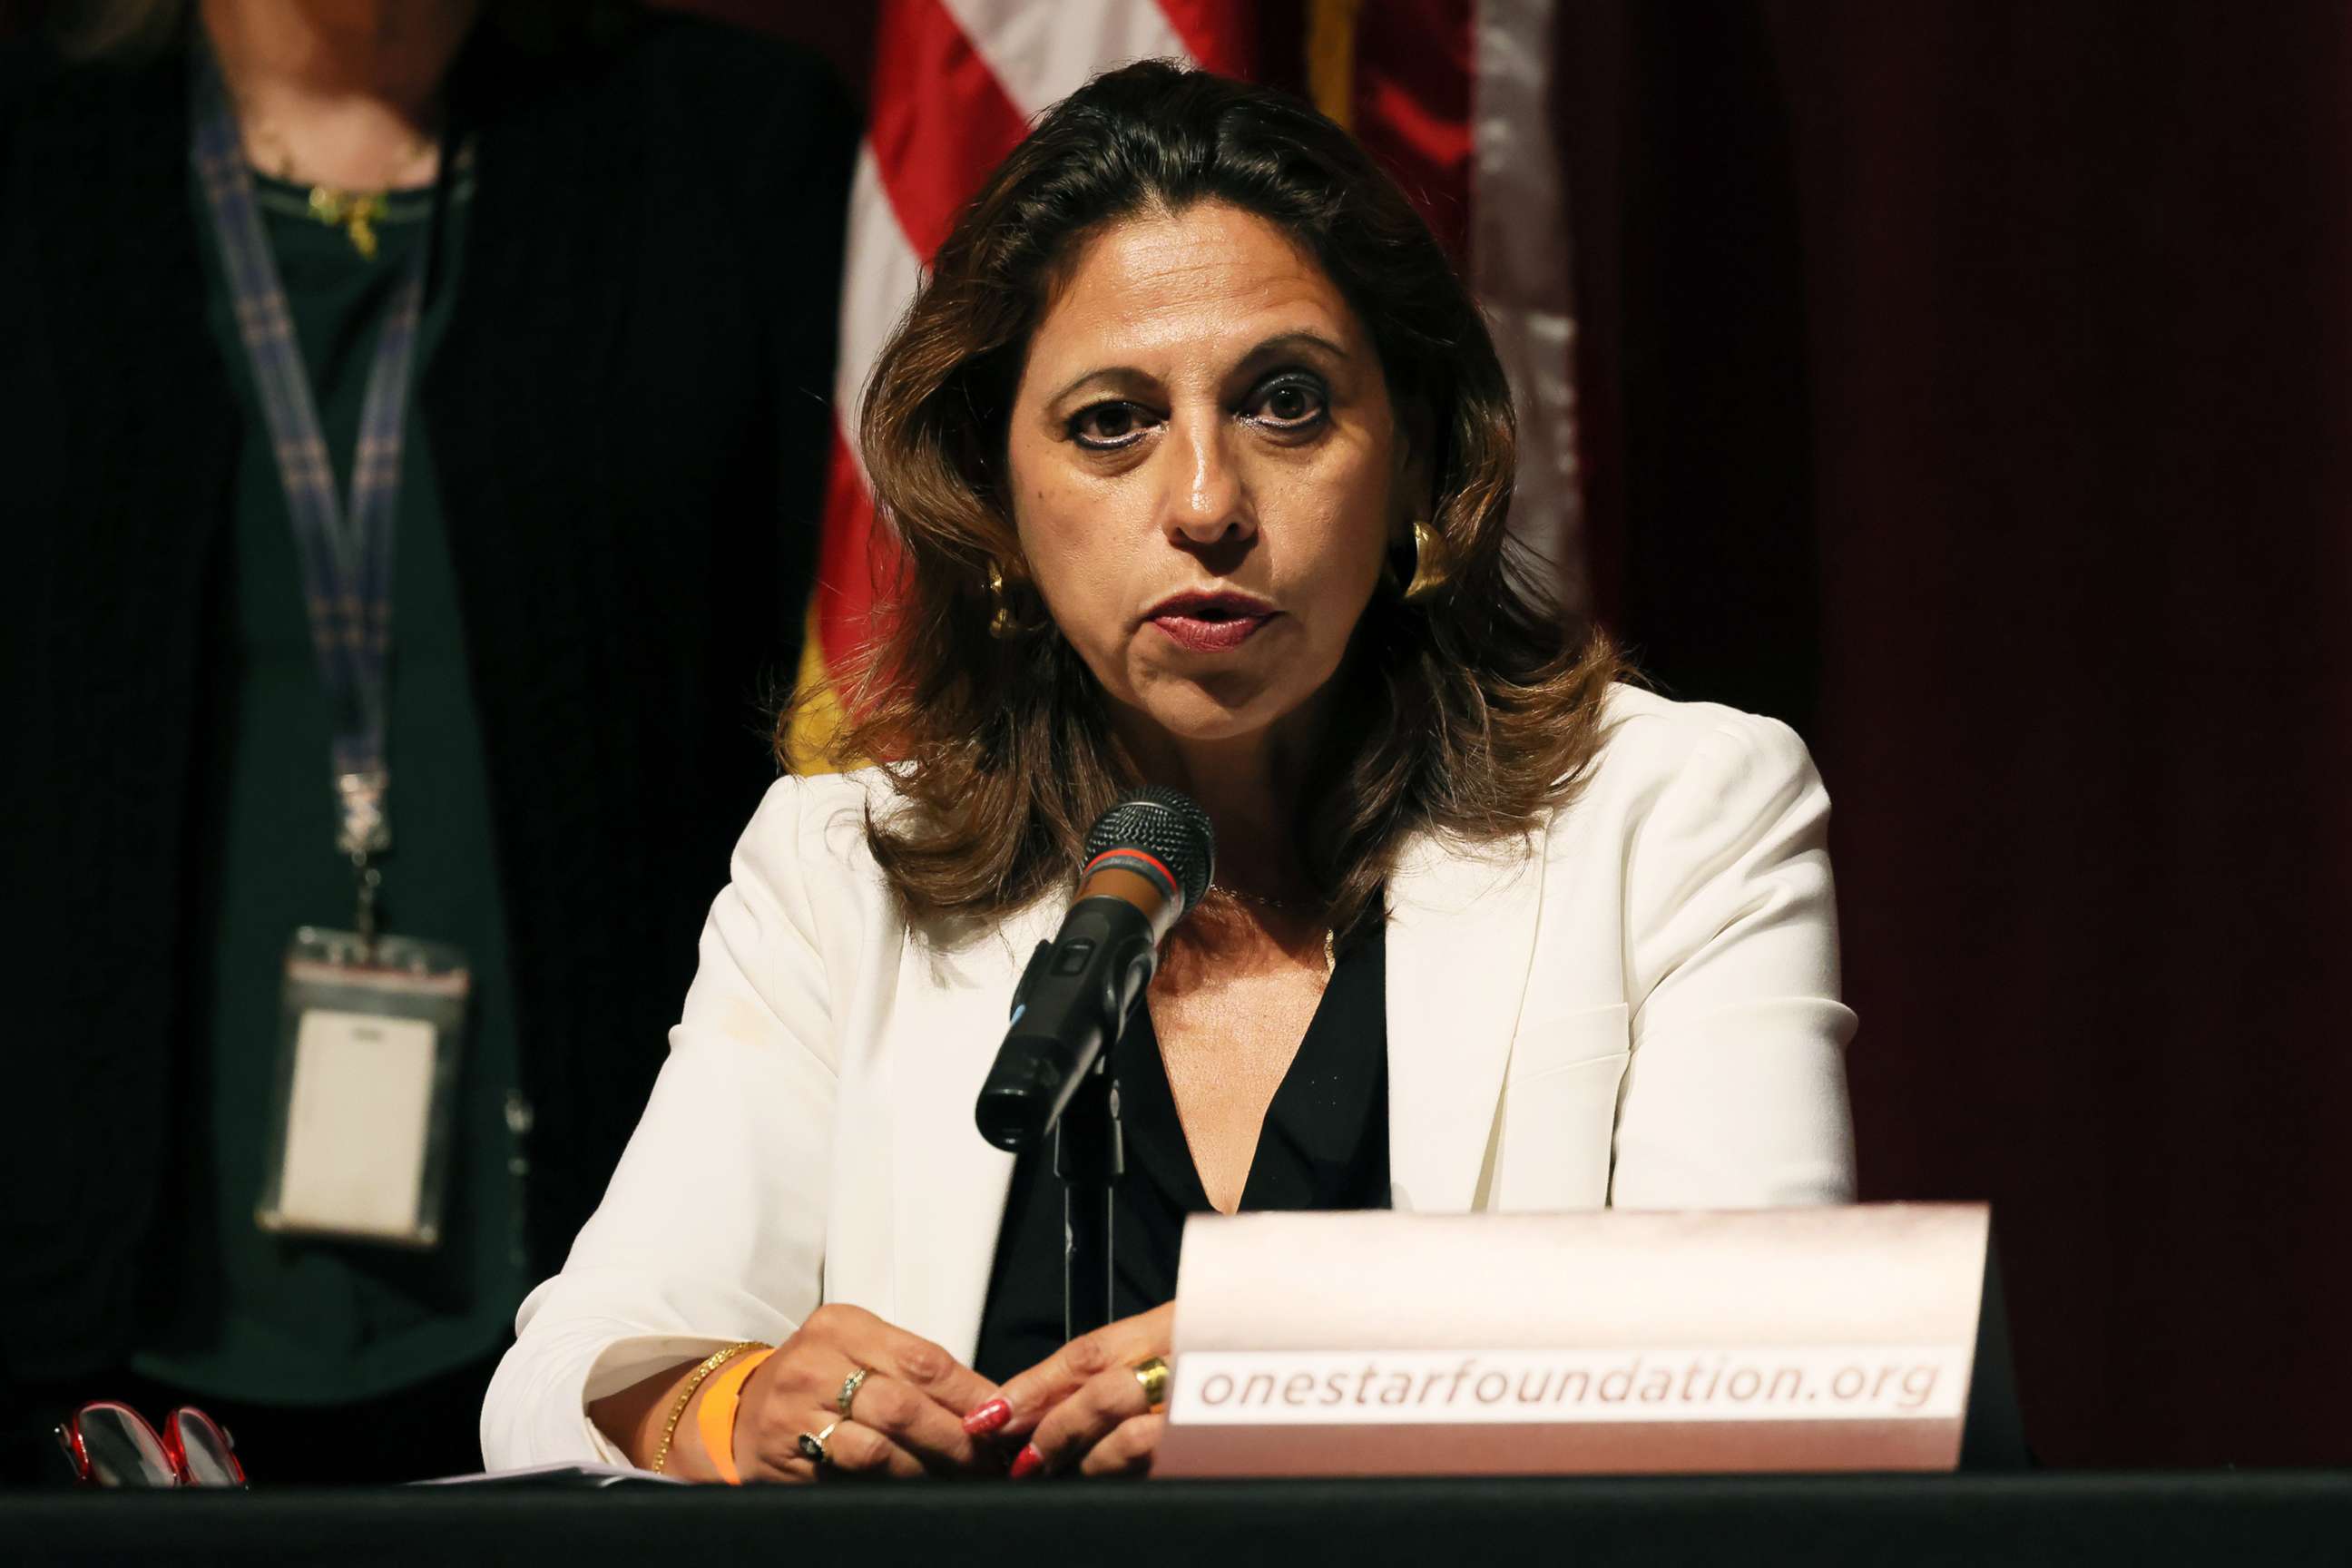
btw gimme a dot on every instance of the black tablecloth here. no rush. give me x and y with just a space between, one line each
2265 1517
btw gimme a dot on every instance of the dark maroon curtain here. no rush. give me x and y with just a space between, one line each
1971 385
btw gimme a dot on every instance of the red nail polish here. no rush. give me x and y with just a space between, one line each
987 1418
1027 1462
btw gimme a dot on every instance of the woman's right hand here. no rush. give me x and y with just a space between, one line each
906 1419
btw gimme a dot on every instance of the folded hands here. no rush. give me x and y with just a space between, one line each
919 1411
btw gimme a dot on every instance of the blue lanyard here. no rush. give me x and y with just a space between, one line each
345 550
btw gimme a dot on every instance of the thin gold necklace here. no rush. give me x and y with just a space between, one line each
1330 937
1286 906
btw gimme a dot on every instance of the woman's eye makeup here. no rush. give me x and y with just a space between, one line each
1288 403
1292 401
1107 426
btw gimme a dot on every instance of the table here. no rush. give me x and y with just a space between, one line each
2247 1517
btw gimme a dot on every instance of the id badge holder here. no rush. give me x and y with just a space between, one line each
361 1126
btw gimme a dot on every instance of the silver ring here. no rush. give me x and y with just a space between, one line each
849 1387
812 1448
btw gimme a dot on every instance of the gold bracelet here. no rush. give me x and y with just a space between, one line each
686 1396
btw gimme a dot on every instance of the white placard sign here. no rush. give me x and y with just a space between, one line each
1609 1342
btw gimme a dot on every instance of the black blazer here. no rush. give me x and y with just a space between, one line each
630 416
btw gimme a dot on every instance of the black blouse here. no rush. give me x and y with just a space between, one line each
1325 1145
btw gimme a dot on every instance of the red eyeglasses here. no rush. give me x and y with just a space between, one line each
111 1445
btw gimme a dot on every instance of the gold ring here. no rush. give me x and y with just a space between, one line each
849 1387
1153 1375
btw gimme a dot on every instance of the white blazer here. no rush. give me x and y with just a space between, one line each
1639 1009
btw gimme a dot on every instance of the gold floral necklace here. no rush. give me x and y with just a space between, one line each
355 212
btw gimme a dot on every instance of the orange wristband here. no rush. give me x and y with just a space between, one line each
716 1419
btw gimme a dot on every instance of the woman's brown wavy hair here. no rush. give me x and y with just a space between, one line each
1470 715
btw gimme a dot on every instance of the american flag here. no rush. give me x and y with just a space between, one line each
1451 94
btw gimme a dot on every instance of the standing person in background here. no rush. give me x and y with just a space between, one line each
557 281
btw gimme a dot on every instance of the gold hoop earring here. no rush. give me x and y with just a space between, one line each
1002 623
1428 564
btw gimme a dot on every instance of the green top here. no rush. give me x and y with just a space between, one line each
271 1318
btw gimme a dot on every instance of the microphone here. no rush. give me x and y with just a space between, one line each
1148 861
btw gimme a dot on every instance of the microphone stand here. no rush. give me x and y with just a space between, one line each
1089 1155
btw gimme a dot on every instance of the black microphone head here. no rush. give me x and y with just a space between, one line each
1166 824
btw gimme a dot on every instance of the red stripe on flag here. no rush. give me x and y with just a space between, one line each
1415 64
1220 35
854 560
940 123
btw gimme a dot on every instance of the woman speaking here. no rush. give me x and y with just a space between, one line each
1200 456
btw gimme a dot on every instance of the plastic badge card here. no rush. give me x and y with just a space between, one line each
366 1088
1611 1342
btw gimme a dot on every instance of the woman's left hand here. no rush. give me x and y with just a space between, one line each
1083 1407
